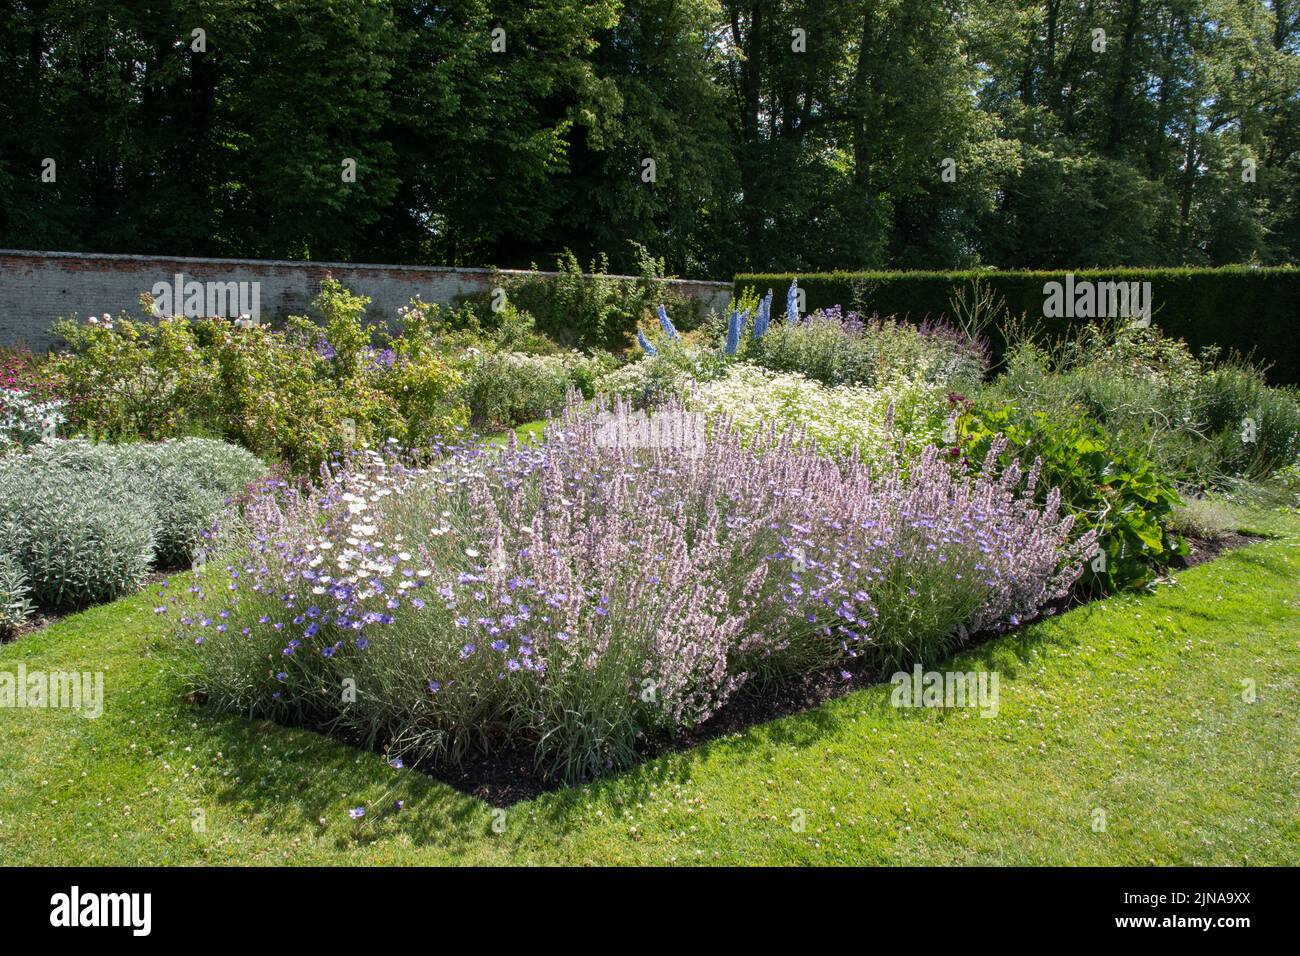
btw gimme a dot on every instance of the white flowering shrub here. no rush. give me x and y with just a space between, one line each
24 421
671 371
838 418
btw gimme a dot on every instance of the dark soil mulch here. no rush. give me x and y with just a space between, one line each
1207 549
44 616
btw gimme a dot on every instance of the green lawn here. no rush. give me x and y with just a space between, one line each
1132 705
527 433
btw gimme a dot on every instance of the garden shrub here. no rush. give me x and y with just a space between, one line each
579 597
504 389
594 309
15 603
1253 428
672 370
137 380
1238 308
841 420
154 504
1202 420
296 395
479 322
189 484
80 536
1115 492
842 349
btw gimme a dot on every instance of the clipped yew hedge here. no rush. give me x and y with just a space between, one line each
1255 311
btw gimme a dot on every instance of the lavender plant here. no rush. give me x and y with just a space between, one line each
578 598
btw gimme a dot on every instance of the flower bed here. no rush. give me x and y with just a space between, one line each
581 596
843 420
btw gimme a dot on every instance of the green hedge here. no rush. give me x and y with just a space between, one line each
1255 311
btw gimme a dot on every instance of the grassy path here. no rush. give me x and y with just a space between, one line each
1132 706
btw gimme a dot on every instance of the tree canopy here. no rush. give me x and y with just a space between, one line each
720 135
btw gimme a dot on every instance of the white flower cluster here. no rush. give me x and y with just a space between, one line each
838 418
25 421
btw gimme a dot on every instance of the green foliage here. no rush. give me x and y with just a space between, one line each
1204 421
135 379
180 487
189 484
80 536
593 309
1254 430
1244 309
295 395
15 604
504 389
1115 490
847 351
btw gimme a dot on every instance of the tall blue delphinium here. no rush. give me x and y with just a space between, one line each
645 343
792 303
735 327
667 324
764 316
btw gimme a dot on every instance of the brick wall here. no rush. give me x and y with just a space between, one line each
38 287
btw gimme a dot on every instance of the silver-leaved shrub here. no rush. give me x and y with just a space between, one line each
80 537
15 602
86 522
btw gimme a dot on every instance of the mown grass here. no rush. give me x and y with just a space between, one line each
1132 705
527 433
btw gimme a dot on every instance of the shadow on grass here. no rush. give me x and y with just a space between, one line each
315 771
